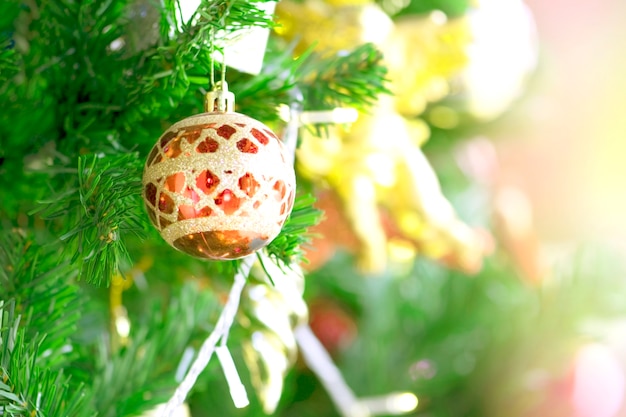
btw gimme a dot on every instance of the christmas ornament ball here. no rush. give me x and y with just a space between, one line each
218 185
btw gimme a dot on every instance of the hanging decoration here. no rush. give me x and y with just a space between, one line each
332 26
218 185
387 189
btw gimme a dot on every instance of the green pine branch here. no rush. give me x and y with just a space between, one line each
355 79
141 375
260 96
184 58
26 388
8 65
287 246
41 283
102 208
228 15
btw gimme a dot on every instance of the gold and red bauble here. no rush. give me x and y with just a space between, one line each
219 185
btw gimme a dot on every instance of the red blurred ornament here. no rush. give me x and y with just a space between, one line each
219 185
332 325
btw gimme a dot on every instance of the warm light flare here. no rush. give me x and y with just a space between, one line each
394 403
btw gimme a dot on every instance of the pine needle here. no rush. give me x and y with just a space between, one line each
103 207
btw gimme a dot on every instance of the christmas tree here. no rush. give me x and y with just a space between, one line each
226 207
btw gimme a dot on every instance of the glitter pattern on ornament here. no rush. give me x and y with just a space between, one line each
218 185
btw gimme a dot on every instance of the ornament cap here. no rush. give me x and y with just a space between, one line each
219 99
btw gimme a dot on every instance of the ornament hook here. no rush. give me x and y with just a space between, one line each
220 99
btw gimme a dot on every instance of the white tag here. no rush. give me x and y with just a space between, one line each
186 9
245 48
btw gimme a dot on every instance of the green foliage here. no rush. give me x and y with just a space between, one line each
178 62
287 246
69 68
47 370
140 375
450 338
8 66
41 283
276 85
27 388
127 381
354 79
102 209
228 15
320 82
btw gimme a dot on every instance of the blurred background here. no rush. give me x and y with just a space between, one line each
527 141
569 150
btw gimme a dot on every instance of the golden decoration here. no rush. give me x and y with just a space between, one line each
120 323
219 185
377 167
423 54
332 26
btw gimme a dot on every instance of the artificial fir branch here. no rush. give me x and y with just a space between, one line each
287 246
354 79
103 207
276 85
41 282
8 66
185 56
137 377
27 388
230 15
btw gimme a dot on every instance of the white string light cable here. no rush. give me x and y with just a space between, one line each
320 362
338 115
292 115
235 386
348 405
315 355
222 327
237 389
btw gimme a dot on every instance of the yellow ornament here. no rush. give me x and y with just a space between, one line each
422 55
332 26
377 164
